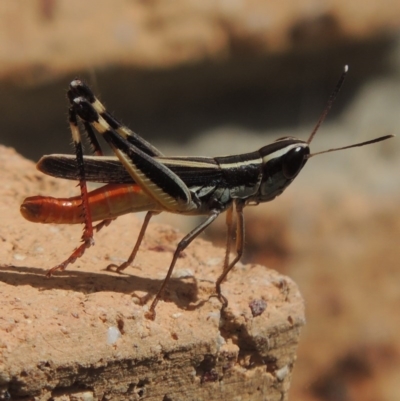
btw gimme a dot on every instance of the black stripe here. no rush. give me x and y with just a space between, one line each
112 122
132 137
154 171
241 170
143 145
196 176
96 148
79 160
72 116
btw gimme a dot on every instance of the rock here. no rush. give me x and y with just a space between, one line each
55 332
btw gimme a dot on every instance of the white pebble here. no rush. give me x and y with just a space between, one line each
112 335
18 256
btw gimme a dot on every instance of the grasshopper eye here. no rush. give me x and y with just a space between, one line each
294 161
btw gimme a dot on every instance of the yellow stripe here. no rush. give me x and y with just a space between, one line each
188 163
283 151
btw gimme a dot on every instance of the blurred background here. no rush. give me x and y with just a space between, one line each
218 77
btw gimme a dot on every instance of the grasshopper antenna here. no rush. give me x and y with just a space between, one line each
331 99
381 138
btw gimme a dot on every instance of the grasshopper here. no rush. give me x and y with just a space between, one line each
140 178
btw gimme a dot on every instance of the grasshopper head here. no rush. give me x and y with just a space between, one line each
282 161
